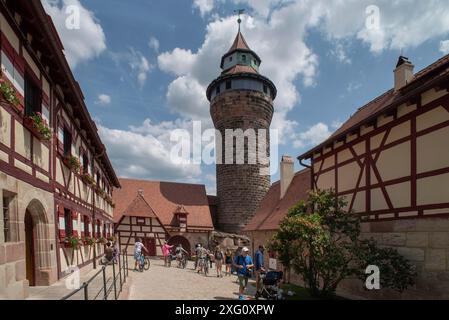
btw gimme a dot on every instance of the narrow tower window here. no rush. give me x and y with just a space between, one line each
217 90
265 89
228 84
244 58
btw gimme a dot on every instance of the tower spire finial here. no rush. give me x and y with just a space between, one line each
239 13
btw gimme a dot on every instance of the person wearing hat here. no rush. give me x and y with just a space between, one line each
243 263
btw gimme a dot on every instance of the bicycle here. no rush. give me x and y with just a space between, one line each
204 265
184 261
144 262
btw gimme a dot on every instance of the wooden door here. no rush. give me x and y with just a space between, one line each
150 244
29 249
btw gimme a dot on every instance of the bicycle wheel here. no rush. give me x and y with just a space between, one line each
206 268
147 263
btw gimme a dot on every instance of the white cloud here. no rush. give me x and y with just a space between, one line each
402 24
285 58
144 152
205 6
444 46
187 97
103 99
340 54
82 44
154 44
139 65
313 136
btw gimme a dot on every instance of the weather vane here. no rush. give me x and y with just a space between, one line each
239 12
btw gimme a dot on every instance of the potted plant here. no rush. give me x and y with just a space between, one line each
8 93
39 126
72 242
88 241
73 163
102 240
88 179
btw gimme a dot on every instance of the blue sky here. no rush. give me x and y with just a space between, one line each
144 65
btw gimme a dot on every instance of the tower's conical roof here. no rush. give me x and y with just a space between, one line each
239 43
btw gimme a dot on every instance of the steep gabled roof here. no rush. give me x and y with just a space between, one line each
165 198
239 43
272 209
139 208
434 74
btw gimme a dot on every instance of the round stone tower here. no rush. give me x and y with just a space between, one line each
241 98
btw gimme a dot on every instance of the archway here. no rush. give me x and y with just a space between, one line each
37 244
175 240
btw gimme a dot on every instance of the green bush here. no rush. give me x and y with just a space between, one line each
320 241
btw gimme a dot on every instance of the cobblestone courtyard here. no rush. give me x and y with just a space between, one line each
161 283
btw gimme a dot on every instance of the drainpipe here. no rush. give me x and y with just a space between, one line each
311 172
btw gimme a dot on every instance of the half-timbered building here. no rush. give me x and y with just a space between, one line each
157 211
56 180
390 161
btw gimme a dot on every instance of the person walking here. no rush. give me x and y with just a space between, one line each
259 265
244 264
228 261
219 259
166 253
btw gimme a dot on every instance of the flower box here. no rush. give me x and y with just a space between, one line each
9 94
88 241
102 240
72 163
88 179
72 242
38 127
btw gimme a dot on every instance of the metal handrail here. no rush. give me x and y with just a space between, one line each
106 291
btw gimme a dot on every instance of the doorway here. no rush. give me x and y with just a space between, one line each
30 249
150 244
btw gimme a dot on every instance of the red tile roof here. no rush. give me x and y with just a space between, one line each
438 71
272 209
240 69
165 198
139 208
239 43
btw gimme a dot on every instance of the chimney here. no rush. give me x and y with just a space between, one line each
287 173
403 73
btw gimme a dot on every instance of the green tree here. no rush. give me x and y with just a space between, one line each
320 241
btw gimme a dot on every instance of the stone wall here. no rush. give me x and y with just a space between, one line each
424 242
13 282
241 187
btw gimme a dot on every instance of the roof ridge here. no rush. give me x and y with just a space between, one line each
160 181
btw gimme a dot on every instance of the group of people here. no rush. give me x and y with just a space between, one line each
239 262
217 256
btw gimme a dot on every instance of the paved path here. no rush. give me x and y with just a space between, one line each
161 283
59 289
